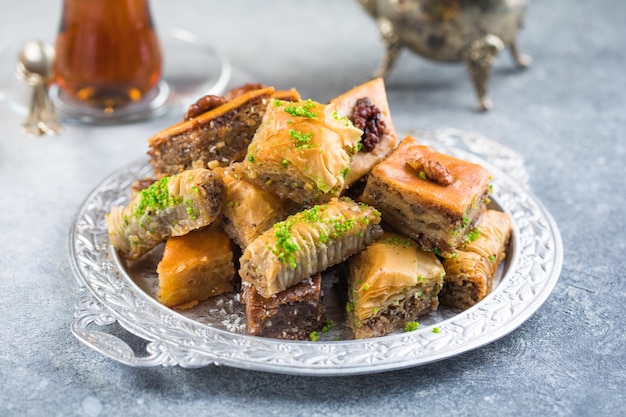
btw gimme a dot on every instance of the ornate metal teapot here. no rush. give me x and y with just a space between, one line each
470 31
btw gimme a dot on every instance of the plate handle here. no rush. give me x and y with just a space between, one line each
90 312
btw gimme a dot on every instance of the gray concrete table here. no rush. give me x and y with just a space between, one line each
565 115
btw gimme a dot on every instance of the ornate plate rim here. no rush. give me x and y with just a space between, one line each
106 296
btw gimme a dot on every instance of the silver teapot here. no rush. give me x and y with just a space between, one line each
470 31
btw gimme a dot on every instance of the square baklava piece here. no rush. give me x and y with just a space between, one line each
391 283
291 314
431 197
470 274
196 266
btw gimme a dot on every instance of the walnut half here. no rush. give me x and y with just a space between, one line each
203 105
431 170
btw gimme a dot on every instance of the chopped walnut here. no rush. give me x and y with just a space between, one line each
203 105
368 117
431 170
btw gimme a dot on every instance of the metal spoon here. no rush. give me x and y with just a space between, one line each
34 67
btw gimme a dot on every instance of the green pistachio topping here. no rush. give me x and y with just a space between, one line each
327 326
342 119
328 226
301 139
396 241
303 110
472 235
411 326
155 198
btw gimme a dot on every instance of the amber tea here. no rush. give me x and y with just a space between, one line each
107 52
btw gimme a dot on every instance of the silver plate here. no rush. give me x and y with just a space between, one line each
212 333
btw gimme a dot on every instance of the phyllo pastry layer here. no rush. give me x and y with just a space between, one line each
469 275
391 282
291 314
432 197
248 210
302 151
171 206
306 243
196 266
367 105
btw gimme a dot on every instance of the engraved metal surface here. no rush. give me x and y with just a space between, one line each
473 32
109 292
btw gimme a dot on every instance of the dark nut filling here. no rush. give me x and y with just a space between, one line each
368 117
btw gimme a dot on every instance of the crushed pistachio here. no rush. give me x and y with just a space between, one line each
342 119
302 110
411 326
397 241
302 139
314 336
472 235
155 198
327 326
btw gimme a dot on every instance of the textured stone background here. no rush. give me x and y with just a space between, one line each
565 115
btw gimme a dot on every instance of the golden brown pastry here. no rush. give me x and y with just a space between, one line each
214 138
172 206
302 151
391 282
196 266
307 243
377 116
432 197
470 274
249 210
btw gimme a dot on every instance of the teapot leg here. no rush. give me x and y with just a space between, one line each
479 57
521 60
392 48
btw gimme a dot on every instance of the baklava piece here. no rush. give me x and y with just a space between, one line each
432 197
367 107
196 266
171 206
302 151
392 282
469 275
249 210
214 138
306 243
291 314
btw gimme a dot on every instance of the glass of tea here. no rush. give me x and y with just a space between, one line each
108 64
